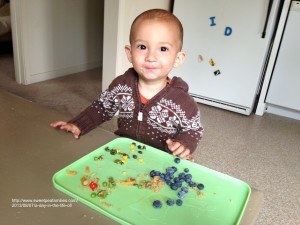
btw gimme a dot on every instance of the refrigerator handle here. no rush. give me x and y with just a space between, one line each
267 18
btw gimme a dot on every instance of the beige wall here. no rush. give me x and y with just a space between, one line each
56 38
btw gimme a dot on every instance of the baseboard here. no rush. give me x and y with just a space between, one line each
223 105
34 78
282 111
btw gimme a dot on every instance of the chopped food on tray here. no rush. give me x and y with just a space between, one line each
124 180
179 181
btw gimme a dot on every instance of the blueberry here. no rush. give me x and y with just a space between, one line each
181 175
173 186
200 186
157 173
170 170
152 173
168 182
186 170
192 184
181 194
185 189
176 180
179 184
167 177
188 176
188 180
170 202
157 204
174 168
177 160
179 202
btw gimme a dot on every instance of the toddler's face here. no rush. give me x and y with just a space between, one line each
154 50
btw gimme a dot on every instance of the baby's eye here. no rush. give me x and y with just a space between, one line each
142 47
163 49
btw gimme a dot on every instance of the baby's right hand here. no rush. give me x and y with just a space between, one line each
69 127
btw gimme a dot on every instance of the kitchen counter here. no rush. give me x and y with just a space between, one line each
32 152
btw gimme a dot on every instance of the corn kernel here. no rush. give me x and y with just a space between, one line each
140 160
72 172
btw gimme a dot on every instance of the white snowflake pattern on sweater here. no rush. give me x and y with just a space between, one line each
119 98
168 117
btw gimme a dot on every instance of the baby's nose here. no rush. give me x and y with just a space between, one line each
151 57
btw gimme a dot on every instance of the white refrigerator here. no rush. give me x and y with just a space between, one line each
284 88
227 44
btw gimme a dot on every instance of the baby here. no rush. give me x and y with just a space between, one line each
153 108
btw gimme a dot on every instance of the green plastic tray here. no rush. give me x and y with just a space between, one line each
222 201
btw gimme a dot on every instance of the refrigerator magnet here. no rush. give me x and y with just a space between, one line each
212 19
217 72
228 31
200 58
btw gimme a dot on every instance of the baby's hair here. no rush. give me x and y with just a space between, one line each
158 15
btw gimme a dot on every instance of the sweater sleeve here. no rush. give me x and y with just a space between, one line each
190 137
190 130
101 110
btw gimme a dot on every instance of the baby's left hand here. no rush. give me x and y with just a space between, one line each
179 150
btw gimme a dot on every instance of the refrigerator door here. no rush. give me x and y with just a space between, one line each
284 89
225 49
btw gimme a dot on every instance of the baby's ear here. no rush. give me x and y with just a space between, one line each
179 59
128 53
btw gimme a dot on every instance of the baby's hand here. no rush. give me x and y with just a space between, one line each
179 150
69 127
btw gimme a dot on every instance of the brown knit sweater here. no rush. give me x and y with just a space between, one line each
171 113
